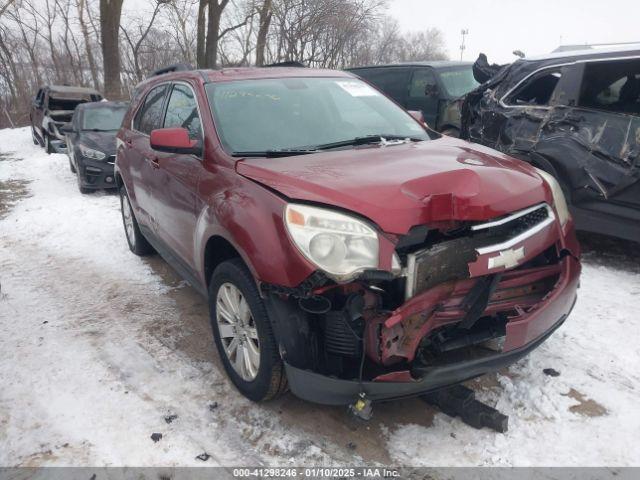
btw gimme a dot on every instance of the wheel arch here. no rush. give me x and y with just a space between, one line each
549 165
217 250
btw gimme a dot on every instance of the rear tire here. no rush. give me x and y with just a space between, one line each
250 328
137 243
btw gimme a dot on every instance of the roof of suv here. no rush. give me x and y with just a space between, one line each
427 63
245 73
70 89
586 54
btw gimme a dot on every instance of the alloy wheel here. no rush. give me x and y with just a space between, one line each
238 331
127 215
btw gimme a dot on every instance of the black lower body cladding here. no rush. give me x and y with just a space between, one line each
95 174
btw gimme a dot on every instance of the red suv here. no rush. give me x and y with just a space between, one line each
346 250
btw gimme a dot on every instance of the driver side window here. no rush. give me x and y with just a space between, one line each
537 90
150 114
182 111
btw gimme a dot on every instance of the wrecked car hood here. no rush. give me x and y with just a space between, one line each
400 186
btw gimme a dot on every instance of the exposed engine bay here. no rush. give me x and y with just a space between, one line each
444 307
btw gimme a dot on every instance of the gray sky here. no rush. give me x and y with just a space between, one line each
497 27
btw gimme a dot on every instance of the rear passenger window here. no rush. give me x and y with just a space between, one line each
537 90
149 116
182 111
612 86
423 84
392 81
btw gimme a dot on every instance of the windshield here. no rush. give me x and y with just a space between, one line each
105 118
458 81
304 113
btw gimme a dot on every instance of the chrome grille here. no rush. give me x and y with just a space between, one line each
448 260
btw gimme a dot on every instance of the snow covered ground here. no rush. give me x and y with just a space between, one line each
100 349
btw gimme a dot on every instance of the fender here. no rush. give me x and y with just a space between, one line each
250 218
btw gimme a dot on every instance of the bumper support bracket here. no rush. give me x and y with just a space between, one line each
460 401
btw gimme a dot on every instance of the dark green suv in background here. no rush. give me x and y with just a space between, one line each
431 87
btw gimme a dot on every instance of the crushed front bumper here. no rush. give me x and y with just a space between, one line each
522 336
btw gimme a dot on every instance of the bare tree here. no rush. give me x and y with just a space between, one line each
208 45
264 22
110 15
136 43
90 42
178 17
82 9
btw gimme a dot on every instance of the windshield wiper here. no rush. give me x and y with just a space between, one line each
275 153
366 140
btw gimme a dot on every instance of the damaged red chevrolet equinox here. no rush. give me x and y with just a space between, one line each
346 250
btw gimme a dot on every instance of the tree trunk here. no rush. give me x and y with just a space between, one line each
263 30
87 44
200 50
110 12
213 30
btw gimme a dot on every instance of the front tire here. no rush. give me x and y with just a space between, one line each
137 243
81 189
47 144
243 333
34 137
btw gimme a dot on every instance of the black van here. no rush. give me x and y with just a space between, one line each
431 87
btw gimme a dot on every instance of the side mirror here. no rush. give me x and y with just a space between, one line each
174 140
417 114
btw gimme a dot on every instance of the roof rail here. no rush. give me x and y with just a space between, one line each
289 63
177 67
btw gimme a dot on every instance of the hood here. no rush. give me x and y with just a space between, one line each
103 141
400 186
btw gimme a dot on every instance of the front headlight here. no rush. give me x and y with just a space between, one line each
91 153
562 210
338 244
